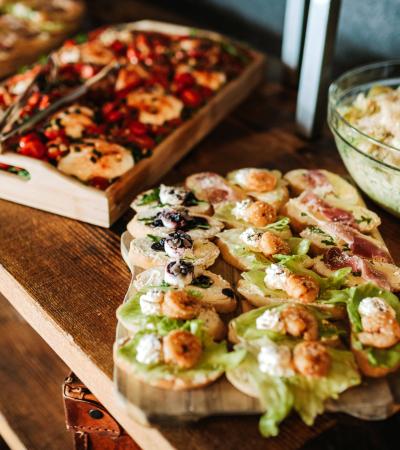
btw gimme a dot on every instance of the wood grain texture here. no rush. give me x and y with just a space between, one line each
51 190
32 414
69 277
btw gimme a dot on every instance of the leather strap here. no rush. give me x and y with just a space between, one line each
93 426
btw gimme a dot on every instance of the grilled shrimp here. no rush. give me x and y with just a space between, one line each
379 330
260 181
298 321
259 214
180 305
270 244
311 359
182 348
302 287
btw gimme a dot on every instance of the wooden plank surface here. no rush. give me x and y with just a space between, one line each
31 408
69 278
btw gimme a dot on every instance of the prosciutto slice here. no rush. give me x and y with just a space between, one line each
335 258
331 213
358 243
316 178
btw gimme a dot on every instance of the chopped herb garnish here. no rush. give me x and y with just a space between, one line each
152 196
328 241
364 219
154 238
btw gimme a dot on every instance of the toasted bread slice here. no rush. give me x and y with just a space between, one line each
320 241
259 298
302 215
326 184
276 195
150 199
138 228
169 379
141 253
219 295
213 188
367 368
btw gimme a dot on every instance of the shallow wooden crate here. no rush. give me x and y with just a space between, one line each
50 190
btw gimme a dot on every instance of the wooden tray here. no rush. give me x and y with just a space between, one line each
50 190
374 399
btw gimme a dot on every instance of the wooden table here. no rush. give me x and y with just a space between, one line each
67 278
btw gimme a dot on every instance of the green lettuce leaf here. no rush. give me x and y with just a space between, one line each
304 394
295 263
256 278
245 325
214 359
377 357
256 260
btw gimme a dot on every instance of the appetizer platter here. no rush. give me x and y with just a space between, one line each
108 114
257 293
30 28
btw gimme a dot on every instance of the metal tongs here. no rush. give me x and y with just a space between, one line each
12 113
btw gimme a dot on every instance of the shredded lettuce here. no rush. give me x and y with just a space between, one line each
377 357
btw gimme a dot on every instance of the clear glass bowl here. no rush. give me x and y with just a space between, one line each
369 161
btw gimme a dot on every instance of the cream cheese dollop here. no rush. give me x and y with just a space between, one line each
149 350
270 320
275 276
151 301
275 360
373 306
251 238
239 210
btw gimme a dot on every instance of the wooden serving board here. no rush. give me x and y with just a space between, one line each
50 190
374 399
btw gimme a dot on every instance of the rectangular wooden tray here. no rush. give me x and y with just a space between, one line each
50 190
374 399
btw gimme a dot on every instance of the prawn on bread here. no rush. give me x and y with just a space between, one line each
290 363
177 359
253 248
375 329
261 184
289 278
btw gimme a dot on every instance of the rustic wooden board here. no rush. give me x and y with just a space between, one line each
50 190
67 278
31 376
373 400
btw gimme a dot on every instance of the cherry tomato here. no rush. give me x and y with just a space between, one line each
144 142
31 145
191 98
100 183
118 47
184 80
54 134
137 128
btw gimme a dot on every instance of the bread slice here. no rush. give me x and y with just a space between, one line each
148 200
213 188
219 295
237 254
276 197
137 227
141 253
335 185
366 367
177 381
258 298
302 215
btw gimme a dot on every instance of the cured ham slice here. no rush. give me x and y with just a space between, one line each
317 179
335 258
358 243
331 213
213 188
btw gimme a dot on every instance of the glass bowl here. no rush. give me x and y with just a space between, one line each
374 165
